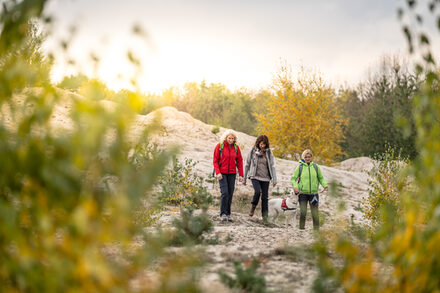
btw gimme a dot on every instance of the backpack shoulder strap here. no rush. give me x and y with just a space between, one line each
299 174
219 158
222 145
221 152
301 168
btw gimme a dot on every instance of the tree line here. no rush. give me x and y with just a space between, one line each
296 113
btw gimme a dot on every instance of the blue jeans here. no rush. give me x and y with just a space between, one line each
227 186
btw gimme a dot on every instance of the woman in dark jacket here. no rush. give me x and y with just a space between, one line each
260 168
227 159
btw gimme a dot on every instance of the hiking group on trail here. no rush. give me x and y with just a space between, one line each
260 168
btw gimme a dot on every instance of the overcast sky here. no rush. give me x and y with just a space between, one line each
236 42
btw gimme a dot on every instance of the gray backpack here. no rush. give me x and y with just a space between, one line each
301 169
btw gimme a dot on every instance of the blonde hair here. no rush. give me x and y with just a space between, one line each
306 152
227 133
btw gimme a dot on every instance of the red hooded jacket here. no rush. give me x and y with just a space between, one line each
230 160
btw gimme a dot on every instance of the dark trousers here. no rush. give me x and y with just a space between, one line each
227 185
261 188
303 200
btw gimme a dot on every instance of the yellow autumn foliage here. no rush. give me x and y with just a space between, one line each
301 115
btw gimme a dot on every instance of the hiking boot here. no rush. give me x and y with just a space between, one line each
251 212
224 218
229 219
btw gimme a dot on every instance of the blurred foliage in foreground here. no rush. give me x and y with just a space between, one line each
402 255
63 226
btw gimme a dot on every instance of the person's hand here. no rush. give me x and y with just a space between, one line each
325 189
296 190
274 184
240 179
219 176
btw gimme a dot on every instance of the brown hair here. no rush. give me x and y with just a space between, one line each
262 138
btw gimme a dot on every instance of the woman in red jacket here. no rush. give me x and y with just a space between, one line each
227 159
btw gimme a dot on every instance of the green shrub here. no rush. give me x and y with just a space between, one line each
73 82
384 185
215 129
142 154
245 279
190 228
147 216
181 186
